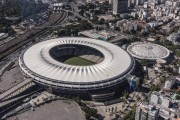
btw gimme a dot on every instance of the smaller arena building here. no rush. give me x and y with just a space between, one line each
148 51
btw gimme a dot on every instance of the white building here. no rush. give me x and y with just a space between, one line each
154 98
57 7
165 102
157 98
169 84
3 1
126 25
166 108
110 1
146 112
153 24
174 37
3 35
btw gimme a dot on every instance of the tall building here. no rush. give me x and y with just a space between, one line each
132 3
157 98
160 106
140 2
166 102
154 98
90 1
110 1
146 112
3 1
133 82
120 6
169 83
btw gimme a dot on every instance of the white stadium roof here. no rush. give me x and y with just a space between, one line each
149 51
37 62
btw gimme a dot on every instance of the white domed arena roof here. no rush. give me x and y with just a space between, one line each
149 51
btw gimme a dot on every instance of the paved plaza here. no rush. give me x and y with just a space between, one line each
11 77
55 110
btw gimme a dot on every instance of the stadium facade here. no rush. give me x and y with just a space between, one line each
76 65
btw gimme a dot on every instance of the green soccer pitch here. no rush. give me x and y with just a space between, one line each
78 61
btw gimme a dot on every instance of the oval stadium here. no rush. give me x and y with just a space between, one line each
77 65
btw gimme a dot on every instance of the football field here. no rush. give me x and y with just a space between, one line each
78 61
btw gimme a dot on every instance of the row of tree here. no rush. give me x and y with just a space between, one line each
73 29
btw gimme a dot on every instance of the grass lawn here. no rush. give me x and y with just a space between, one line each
78 61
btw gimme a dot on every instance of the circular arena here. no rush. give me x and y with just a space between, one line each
148 51
76 64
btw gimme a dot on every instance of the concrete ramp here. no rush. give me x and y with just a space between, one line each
19 88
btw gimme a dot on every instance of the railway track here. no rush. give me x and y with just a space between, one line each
18 42
61 20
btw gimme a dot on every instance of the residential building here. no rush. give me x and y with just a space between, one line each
146 112
120 6
154 97
169 83
3 1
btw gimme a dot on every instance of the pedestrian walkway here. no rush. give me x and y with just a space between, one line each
6 67
19 88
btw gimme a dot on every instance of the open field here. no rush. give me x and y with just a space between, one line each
78 61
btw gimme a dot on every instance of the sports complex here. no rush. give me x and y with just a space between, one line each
148 51
77 65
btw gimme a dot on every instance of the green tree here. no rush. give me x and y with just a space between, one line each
101 21
162 79
155 87
112 109
138 98
90 111
126 94
145 62
130 115
178 97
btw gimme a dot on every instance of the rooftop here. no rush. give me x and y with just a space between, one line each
150 51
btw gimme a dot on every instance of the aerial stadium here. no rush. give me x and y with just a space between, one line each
77 65
148 51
